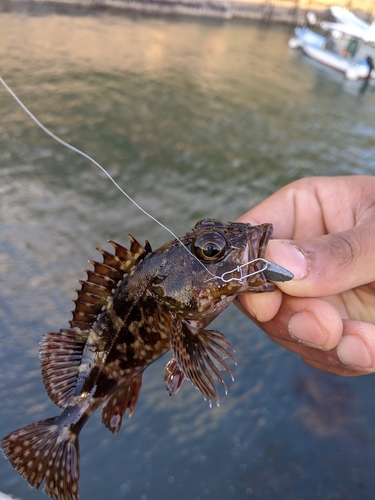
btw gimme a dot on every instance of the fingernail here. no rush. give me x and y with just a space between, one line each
352 351
288 256
304 327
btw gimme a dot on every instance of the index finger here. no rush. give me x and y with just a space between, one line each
315 206
282 210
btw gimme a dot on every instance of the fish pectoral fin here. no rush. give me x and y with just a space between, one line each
116 405
200 356
46 450
173 376
60 355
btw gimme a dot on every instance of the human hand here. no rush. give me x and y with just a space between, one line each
324 233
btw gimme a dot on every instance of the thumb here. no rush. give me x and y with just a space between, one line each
328 264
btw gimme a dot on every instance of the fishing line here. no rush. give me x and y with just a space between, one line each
76 150
85 155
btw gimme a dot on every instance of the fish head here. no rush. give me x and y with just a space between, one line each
215 262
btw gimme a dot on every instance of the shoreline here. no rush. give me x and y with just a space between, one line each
267 11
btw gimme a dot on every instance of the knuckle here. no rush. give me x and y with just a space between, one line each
345 249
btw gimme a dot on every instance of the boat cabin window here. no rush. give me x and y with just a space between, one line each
351 49
331 44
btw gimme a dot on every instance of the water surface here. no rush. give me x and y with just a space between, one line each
194 119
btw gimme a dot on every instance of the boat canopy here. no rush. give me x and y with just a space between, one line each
346 17
352 30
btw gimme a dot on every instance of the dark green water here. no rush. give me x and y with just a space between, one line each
194 119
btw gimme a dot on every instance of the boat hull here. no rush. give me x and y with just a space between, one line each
314 46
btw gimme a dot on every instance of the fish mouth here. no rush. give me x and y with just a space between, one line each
256 249
259 268
264 239
257 243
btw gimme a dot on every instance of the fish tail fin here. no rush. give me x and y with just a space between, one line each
46 450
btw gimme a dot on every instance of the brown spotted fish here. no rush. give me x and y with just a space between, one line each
134 307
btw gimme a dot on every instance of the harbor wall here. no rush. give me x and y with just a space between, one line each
268 11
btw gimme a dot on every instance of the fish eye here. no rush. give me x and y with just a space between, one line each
209 246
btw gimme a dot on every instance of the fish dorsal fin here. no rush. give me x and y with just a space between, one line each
61 353
60 356
100 283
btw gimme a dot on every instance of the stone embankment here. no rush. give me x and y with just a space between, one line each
269 11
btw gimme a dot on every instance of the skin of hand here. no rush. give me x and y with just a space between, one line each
324 233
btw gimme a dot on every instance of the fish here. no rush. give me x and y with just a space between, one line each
134 307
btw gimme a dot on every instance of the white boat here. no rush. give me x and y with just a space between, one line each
348 46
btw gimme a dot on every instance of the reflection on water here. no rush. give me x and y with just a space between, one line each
194 119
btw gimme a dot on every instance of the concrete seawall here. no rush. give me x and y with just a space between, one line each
269 11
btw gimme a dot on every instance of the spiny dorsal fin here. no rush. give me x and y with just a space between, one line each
61 353
113 261
148 247
136 248
99 279
92 297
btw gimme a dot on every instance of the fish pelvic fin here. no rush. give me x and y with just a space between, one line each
173 377
200 356
116 405
46 450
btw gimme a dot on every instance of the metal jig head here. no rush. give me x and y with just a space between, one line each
272 271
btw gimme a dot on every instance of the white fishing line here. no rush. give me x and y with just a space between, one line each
85 155
76 150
